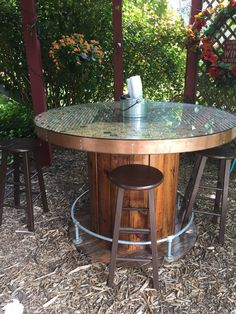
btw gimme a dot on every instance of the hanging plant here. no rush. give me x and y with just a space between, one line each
73 51
200 39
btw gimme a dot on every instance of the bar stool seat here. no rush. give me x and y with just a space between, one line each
3 145
24 151
138 178
224 154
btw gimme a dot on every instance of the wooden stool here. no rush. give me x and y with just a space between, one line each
225 154
135 177
22 149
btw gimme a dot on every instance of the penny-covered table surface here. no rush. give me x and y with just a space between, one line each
171 127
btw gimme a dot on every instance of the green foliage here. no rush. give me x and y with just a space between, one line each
13 68
16 120
152 49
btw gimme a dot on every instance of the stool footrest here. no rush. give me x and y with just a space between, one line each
210 187
14 206
133 259
15 183
206 212
134 230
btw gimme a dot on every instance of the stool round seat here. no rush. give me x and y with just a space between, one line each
136 177
23 145
227 151
4 143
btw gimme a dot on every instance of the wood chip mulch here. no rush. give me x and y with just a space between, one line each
47 274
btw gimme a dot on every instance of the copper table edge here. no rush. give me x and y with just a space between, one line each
139 147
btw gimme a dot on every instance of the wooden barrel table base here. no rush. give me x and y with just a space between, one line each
170 250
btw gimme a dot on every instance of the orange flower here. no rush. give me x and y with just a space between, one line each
207 44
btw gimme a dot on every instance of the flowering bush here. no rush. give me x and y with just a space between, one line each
70 52
199 38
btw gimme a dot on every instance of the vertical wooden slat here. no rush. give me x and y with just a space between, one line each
93 191
166 192
104 187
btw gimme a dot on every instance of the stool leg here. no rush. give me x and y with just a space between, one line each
192 189
218 198
224 200
29 203
115 239
3 173
41 183
189 188
16 178
153 228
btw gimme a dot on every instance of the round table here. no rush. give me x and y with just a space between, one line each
156 139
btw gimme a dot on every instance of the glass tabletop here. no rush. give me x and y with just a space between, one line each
161 121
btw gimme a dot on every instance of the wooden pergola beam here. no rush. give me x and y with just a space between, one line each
118 48
34 62
192 61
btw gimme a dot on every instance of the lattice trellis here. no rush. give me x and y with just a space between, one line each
210 93
226 30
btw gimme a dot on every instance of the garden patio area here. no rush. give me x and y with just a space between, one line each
48 274
118 108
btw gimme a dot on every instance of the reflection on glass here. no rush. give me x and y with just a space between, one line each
162 121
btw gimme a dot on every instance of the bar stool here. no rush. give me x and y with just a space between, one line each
23 151
224 154
139 178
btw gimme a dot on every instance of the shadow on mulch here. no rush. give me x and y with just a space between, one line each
46 273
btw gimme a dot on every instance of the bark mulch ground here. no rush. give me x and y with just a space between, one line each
47 274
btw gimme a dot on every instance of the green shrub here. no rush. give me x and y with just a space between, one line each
16 120
153 48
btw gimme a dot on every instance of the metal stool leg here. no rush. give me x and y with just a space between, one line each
16 179
112 266
28 189
226 164
153 228
41 183
3 173
194 186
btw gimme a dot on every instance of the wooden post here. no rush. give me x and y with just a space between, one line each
118 48
33 56
192 62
